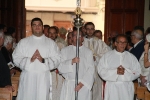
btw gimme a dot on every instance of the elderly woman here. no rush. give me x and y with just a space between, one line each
5 79
146 62
7 47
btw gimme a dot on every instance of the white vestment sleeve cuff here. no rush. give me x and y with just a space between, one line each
49 63
66 67
86 85
109 74
24 63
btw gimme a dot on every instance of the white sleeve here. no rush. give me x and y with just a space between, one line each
106 73
19 59
53 61
65 64
132 73
88 77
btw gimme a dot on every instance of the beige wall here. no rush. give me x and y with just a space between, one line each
97 19
50 3
59 3
49 18
147 15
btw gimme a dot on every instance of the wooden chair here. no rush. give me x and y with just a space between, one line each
15 78
147 95
5 94
17 74
140 93
15 84
135 87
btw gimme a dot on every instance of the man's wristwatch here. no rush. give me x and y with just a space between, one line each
43 60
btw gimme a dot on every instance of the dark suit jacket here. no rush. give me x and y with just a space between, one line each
5 78
138 50
6 54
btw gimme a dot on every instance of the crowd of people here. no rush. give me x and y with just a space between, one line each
47 62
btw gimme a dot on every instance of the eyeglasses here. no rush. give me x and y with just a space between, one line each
122 42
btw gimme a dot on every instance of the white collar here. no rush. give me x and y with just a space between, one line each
119 53
75 47
137 43
130 49
35 37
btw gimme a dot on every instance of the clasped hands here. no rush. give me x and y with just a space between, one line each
36 55
120 70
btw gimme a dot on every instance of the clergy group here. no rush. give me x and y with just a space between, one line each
106 70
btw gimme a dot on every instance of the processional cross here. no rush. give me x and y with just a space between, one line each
78 22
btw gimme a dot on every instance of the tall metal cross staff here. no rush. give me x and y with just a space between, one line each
78 22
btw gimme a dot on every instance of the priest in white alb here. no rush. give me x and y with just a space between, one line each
57 79
36 56
119 68
67 68
99 48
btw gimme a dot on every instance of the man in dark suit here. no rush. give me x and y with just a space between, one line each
5 78
138 47
137 40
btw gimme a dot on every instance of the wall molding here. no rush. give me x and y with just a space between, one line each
61 9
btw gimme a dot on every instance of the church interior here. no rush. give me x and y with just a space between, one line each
108 16
101 12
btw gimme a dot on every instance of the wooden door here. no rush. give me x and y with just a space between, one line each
123 15
13 13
